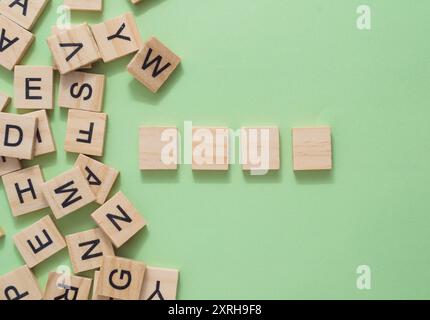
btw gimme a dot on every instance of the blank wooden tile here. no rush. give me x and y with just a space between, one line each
312 148
96 296
20 284
117 37
44 141
39 241
153 64
84 5
23 12
87 249
118 219
24 190
17 134
158 148
73 48
82 90
260 148
67 287
34 87
4 101
14 42
8 165
210 148
120 278
159 284
67 193
85 132
99 176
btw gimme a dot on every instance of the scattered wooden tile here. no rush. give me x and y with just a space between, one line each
210 148
118 219
87 249
85 132
23 12
20 284
117 37
39 241
17 134
120 278
260 148
73 48
312 148
14 42
67 193
153 64
62 286
44 140
84 5
34 87
159 284
96 296
4 101
99 176
81 90
24 190
8 165
158 148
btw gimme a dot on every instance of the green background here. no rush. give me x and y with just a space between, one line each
269 62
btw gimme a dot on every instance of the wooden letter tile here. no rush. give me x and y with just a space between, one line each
84 5
14 42
44 141
260 148
23 12
39 241
81 90
210 148
20 284
67 193
62 286
85 132
4 101
312 148
159 284
34 87
87 249
158 148
8 165
118 219
96 296
120 278
24 190
118 37
17 133
99 176
73 48
153 64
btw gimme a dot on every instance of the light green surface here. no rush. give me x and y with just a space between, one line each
270 62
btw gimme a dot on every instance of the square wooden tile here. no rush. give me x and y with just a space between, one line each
14 42
39 241
8 165
82 90
23 12
44 141
84 5
67 287
117 37
85 132
73 48
120 278
4 101
34 87
260 148
312 148
210 148
87 249
158 148
99 176
24 190
17 133
118 219
159 284
96 296
153 64
20 284
67 193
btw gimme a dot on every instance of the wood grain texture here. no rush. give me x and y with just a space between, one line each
159 284
20 284
67 287
24 13
210 148
8 165
44 140
84 5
